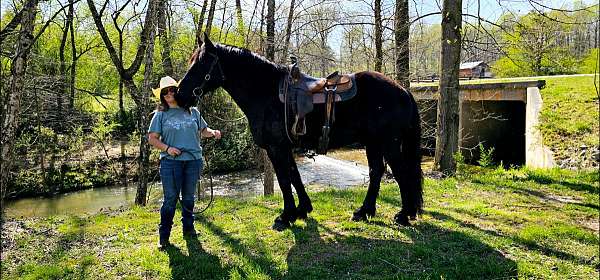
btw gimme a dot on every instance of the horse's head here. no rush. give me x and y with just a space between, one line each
204 74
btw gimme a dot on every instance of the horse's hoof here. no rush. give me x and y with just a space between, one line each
303 210
370 212
401 219
362 214
280 224
289 216
307 207
359 216
302 215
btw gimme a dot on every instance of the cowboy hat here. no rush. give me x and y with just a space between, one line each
165 82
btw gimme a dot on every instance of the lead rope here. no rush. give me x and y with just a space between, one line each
210 179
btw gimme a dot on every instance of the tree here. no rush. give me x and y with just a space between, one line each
401 32
140 96
270 50
288 32
448 115
165 41
270 54
378 37
211 14
68 23
200 23
12 108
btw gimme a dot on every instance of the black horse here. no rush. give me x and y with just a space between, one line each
382 116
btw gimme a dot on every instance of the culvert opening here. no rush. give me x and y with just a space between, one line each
493 124
502 116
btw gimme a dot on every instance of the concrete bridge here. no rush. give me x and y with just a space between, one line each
504 116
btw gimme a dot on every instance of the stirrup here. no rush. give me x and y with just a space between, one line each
302 126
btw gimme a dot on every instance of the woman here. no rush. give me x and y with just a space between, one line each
175 131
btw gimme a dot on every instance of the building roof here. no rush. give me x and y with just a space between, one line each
471 65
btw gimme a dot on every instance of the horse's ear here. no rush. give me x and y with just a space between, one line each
199 39
207 43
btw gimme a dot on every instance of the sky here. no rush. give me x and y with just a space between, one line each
491 9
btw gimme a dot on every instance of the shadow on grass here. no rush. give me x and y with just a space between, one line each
531 245
56 248
257 258
428 252
547 180
525 191
197 264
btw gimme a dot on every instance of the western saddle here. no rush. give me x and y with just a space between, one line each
299 92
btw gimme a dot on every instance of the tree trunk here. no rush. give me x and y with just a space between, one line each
378 37
122 117
12 107
270 54
240 23
165 42
143 111
260 29
63 69
402 32
145 51
288 33
222 31
73 58
200 23
249 29
448 108
211 14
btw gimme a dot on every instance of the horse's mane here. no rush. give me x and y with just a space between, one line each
242 54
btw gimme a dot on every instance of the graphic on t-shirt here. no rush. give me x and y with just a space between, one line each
179 124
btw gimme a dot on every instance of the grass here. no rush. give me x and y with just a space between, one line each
483 224
569 116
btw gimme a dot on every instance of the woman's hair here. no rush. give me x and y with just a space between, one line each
163 106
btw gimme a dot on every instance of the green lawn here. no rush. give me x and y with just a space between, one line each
490 224
569 117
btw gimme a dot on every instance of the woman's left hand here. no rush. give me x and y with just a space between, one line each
217 134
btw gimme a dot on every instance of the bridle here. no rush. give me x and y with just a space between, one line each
199 90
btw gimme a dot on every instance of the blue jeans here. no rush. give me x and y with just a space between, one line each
178 176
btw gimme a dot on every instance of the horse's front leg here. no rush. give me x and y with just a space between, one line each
281 163
304 204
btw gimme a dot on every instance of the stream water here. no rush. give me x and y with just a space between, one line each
316 173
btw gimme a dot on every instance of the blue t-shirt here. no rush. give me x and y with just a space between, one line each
178 128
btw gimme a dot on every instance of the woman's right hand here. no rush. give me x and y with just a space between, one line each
172 151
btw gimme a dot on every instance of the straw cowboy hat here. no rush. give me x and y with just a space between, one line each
165 82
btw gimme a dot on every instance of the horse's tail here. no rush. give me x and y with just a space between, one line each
411 148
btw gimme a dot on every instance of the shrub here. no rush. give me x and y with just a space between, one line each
485 156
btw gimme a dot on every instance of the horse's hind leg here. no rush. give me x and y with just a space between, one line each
304 204
395 157
281 164
376 169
